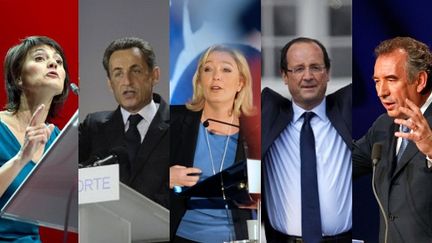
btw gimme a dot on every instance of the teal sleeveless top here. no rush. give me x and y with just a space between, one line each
10 230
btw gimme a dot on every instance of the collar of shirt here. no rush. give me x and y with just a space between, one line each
426 104
319 110
147 112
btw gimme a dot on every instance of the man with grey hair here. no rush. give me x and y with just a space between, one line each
403 176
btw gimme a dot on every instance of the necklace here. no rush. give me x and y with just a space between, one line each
230 220
225 149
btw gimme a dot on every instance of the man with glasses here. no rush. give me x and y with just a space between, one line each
306 152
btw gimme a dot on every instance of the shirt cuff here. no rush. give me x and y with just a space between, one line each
429 162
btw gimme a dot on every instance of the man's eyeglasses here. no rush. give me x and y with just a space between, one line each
300 70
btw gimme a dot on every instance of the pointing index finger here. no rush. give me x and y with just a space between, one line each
35 118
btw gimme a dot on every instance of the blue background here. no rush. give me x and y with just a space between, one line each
373 22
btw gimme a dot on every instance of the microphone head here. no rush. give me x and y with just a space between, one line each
376 153
121 154
89 162
206 123
74 88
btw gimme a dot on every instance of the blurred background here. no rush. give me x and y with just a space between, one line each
196 25
101 22
328 21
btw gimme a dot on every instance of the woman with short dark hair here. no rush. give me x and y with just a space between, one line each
37 78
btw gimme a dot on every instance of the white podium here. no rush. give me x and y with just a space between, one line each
133 218
48 196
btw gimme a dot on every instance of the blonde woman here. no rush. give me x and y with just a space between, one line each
222 90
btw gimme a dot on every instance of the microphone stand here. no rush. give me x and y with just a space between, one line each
229 216
380 205
206 123
245 147
376 156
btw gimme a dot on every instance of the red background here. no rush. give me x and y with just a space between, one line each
58 20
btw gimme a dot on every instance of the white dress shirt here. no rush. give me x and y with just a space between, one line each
334 172
148 112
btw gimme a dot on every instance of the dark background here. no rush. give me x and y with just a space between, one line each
375 21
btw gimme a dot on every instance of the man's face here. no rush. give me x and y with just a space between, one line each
130 79
307 76
392 83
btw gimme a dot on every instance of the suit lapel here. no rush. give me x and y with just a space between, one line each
334 115
391 155
190 128
407 155
411 149
385 168
113 128
282 119
155 133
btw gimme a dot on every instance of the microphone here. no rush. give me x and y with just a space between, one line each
117 155
206 123
89 161
376 157
74 88
245 146
109 160
376 153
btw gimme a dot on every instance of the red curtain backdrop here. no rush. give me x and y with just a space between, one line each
59 21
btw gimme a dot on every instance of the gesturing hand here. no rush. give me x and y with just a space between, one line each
36 135
421 133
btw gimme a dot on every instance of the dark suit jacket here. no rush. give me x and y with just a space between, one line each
184 135
149 173
277 113
404 187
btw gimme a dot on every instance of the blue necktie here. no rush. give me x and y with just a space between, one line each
404 142
311 217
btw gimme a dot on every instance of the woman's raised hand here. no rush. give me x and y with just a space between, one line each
36 135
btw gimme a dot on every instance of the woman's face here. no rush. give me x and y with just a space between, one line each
220 79
43 71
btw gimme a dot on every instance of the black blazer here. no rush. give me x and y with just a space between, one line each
184 134
277 113
102 131
404 188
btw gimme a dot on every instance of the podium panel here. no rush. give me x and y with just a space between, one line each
51 187
133 218
98 224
